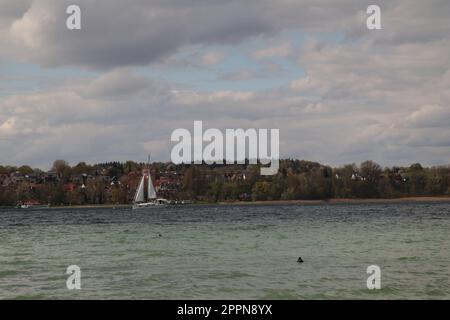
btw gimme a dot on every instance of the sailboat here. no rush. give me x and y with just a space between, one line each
140 201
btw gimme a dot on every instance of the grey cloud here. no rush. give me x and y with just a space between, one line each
117 33
430 116
11 10
376 95
119 82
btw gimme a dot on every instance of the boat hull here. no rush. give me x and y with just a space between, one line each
34 206
146 205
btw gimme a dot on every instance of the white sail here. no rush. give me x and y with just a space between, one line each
151 188
139 196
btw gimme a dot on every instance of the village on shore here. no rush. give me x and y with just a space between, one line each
115 183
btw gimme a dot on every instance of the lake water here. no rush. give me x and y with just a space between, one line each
228 252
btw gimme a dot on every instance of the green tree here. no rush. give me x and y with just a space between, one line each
417 179
261 191
25 170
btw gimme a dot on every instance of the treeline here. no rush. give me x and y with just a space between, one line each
115 182
304 180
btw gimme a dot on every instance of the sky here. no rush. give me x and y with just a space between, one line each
137 70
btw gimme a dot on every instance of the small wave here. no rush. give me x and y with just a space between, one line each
436 293
413 258
30 297
280 294
7 273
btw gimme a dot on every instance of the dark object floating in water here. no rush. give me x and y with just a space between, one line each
159 234
300 260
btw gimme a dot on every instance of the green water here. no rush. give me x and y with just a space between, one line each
228 252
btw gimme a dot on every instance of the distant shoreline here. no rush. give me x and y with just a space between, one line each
278 202
342 201
294 202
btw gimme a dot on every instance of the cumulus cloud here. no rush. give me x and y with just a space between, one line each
116 33
315 108
382 95
430 116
